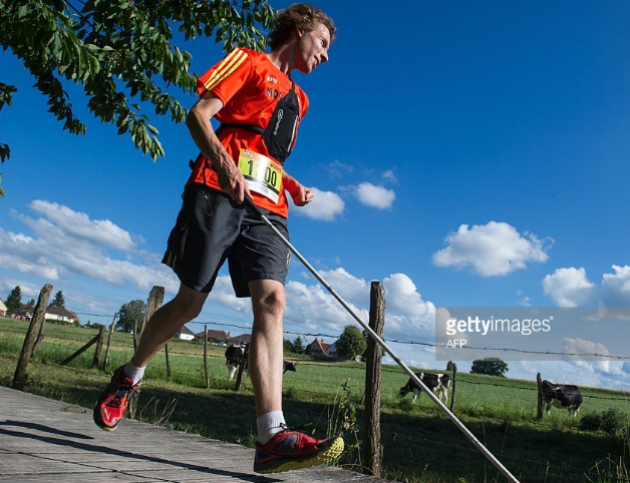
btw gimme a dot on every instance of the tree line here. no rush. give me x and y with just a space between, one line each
14 304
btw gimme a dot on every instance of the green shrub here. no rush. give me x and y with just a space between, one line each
591 422
406 405
612 421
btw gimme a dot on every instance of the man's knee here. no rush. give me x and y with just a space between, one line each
269 297
189 312
275 301
187 304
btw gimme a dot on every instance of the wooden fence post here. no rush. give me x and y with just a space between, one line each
99 346
453 388
205 355
39 318
156 297
40 335
372 442
540 396
168 364
109 341
91 342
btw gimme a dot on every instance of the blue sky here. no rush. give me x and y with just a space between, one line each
464 155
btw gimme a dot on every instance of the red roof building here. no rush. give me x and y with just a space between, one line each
319 348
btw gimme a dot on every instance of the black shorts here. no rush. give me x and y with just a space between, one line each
211 228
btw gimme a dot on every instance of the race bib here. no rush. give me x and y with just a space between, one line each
263 174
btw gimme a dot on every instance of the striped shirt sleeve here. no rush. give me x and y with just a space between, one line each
226 77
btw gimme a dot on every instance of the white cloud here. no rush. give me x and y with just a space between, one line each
523 300
29 290
347 286
403 297
490 250
374 196
337 169
52 251
312 308
65 242
79 225
607 374
390 176
325 206
223 294
616 287
586 349
569 287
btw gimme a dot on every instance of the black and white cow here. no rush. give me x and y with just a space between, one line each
437 383
234 357
561 396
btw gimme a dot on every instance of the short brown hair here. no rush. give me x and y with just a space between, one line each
301 16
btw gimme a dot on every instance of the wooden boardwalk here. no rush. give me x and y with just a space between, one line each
42 440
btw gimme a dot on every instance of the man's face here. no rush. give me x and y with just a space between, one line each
312 49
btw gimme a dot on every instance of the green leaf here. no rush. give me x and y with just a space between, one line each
5 152
23 12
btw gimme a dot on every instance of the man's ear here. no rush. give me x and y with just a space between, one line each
298 33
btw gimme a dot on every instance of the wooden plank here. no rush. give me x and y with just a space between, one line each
42 440
79 478
24 464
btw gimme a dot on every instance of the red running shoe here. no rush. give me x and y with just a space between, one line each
292 450
110 408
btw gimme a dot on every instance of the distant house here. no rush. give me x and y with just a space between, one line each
220 335
332 351
319 348
185 333
3 309
240 339
54 314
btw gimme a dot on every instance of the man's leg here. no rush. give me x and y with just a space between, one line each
266 348
164 323
278 448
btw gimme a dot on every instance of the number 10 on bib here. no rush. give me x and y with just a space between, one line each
263 174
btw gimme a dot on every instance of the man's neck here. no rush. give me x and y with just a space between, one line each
282 57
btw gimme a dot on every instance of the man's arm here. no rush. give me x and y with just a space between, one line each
231 180
301 194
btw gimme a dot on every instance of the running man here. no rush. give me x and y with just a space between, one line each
253 96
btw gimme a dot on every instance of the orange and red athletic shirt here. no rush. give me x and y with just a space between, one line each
250 86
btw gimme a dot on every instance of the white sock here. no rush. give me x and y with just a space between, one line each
269 425
134 373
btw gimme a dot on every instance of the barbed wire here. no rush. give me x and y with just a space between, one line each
433 345
192 355
417 343
536 390
109 316
524 351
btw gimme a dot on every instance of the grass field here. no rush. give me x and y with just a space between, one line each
419 443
